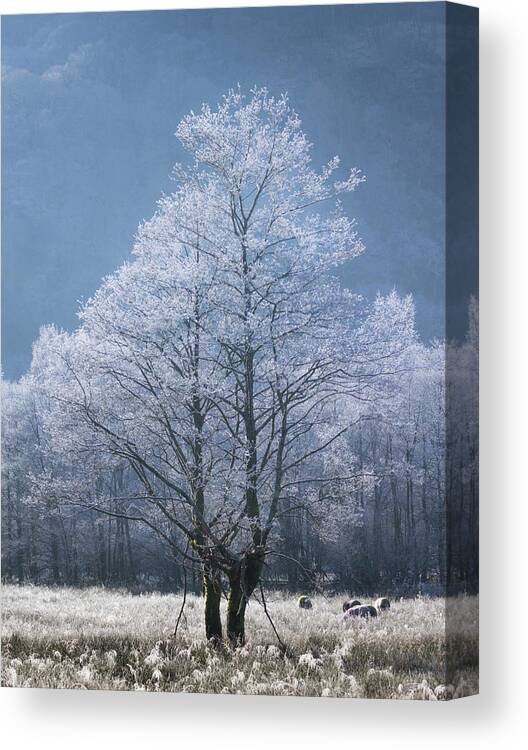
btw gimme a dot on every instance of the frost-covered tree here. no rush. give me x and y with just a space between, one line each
216 364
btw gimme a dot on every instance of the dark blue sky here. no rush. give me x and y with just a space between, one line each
91 103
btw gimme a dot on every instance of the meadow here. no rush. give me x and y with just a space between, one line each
113 640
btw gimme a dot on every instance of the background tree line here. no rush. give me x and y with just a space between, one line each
387 534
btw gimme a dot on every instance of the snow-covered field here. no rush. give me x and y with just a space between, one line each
101 639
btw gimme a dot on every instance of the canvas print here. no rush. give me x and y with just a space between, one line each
240 351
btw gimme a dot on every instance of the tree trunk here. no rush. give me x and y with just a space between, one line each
131 570
236 612
243 580
212 593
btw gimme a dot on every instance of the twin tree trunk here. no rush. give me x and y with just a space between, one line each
243 574
243 578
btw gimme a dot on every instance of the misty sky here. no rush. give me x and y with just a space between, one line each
91 103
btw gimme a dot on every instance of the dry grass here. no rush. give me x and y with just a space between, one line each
99 639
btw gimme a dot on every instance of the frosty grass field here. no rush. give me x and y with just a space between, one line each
101 639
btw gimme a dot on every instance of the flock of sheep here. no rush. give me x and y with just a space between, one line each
353 607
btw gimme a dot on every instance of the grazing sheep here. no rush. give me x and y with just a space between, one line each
305 602
368 610
382 603
363 610
350 603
